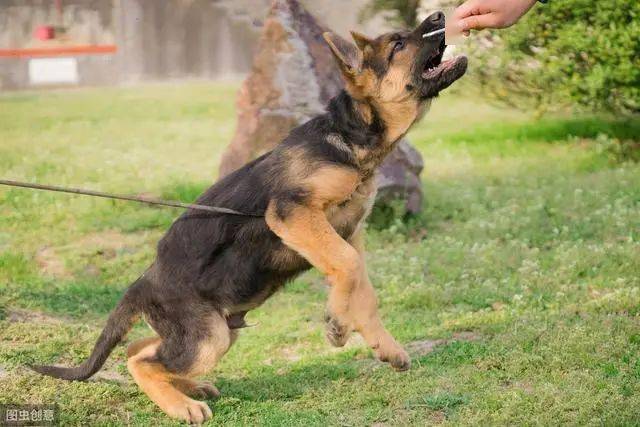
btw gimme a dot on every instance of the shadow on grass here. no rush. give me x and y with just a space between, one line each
549 130
74 299
268 384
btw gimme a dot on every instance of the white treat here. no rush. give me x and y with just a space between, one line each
433 33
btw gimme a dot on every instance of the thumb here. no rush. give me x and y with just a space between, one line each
478 22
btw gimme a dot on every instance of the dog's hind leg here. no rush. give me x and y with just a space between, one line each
187 386
137 346
196 389
210 350
156 381
163 367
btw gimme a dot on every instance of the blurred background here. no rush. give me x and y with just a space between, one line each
123 41
504 247
583 52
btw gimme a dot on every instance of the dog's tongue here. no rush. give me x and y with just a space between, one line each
436 71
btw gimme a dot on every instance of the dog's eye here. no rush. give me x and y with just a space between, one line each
397 47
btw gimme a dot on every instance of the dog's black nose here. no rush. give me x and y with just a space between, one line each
436 17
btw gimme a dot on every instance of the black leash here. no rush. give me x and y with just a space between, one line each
139 199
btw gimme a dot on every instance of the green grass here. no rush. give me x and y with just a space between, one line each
524 266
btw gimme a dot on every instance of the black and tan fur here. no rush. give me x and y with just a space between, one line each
315 190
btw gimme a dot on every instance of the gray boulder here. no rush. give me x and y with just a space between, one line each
292 79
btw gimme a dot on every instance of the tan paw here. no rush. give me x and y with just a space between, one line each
395 356
400 361
337 333
191 411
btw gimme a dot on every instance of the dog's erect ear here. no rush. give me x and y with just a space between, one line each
361 40
349 57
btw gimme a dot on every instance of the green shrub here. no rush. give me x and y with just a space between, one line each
570 52
618 151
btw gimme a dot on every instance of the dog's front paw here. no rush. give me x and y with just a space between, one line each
400 361
395 355
336 332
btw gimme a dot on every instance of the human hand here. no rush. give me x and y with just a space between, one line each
481 14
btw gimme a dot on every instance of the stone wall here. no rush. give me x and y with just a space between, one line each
156 40
177 39
87 21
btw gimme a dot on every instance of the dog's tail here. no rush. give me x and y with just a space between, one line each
119 323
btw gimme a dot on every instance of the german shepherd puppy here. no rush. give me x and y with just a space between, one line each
313 192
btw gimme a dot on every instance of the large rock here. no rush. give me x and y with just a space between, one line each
293 78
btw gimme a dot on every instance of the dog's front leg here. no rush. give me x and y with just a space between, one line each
307 231
352 302
363 310
303 226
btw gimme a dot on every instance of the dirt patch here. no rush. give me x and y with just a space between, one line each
109 375
27 316
437 417
3 373
50 263
291 354
423 347
105 244
525 386
106 240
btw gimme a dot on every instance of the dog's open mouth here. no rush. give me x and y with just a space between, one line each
442 67
437 74
432 64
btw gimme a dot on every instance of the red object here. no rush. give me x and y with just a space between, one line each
44 32
59 51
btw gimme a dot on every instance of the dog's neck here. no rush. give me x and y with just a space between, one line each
363 130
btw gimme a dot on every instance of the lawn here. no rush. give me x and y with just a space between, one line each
517 291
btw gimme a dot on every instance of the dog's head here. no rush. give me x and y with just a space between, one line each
397 72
